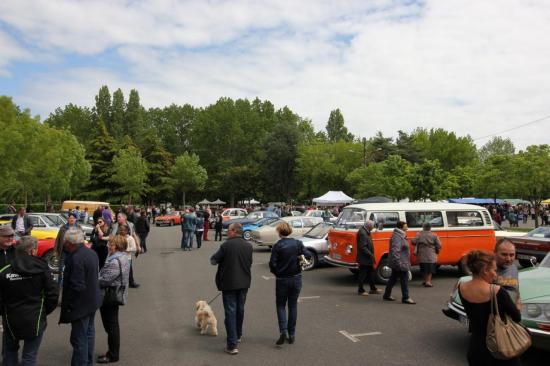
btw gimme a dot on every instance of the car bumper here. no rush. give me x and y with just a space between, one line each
338 263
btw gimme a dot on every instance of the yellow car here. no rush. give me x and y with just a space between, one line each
5 219
43 228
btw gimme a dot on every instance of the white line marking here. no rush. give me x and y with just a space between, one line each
300 299
353 337
268 277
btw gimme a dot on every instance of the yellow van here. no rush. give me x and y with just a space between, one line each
90 205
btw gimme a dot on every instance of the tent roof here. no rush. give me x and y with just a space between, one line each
333 197
218 202
476 201
204 202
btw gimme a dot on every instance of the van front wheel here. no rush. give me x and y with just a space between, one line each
383 271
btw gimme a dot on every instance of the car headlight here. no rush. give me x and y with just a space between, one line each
533 310
536 312
349 249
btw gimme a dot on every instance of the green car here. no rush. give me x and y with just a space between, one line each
534 287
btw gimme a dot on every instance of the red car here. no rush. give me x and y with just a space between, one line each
45 251
170 219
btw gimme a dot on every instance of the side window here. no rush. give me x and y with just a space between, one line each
296 224
384 220
417 219
464 218
36 222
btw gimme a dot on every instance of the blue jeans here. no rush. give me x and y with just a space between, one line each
30 350
143 242
187 239
233 305
198 235
83 341
287 290
403 276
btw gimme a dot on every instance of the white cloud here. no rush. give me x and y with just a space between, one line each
10 51
476 68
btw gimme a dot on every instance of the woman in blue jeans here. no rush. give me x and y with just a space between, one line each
285 265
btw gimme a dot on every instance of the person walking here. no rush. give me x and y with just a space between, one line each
233 277
427 248
115 273
476 298
142 229
199 229
99 239
81 296
400 264
365 259
284 263
27 294
218 225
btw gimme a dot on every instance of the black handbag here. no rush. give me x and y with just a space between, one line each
114 295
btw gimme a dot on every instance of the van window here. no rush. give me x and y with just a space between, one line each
417 219
384 220
464 218
351 218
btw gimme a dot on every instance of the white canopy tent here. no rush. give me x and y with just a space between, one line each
250 202
333 198
218 202
205 202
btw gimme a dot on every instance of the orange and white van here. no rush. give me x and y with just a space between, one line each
460 228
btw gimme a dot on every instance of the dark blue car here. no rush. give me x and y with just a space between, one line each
250 218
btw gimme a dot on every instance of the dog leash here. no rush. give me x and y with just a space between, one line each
215 297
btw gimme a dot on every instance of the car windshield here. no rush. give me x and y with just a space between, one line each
351 218
275 223
318 231
540 232
48 221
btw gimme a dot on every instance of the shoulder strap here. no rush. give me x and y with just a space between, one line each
494 301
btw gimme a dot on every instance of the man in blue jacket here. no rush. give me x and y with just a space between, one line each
188 224
81 296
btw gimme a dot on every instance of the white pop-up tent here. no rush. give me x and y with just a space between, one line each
333 198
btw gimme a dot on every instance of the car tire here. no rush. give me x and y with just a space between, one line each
383 271
51 260
314 261
247 235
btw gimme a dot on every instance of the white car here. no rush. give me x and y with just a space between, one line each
267 235
501 233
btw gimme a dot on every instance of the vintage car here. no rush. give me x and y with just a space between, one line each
6 218
267 235
169 219
61 219
233 213
248 227
316 241
534 288
501 233
536 243
46 252
250 218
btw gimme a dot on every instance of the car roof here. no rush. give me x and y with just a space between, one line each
415 206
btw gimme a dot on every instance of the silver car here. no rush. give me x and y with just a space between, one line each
316 242
60 219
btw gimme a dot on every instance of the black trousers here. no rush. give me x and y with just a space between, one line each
366 272
109 317
218 232
131 280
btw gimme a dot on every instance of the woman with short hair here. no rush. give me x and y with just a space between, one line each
285 265
427 248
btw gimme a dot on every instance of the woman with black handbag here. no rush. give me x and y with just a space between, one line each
113 280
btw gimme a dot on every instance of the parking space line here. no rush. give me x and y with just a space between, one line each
353 337
300 299
268 277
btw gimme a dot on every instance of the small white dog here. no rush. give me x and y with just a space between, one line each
204 318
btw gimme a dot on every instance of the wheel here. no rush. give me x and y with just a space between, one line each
313 262
525 263
52 260
383 271
463 269
247 235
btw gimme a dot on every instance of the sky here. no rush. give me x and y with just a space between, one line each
475 67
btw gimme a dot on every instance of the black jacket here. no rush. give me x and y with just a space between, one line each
142 225
234 259
81 294
284 261
26 222
7 256
27 294
365 248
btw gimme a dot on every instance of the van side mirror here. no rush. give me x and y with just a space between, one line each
533 261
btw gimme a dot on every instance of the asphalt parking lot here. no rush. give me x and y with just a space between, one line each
335 326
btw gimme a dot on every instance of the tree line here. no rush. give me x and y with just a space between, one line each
119 151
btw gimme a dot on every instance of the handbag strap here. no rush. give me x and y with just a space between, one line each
494 301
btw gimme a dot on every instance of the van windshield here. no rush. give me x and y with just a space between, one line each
351 218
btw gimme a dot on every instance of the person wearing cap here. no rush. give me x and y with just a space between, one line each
21 223
81 296
7 250
27 294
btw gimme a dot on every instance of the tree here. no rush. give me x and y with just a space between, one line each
173 124
494 178
133 118
188 175
336 130
430 181
379 148
117 115
130 173
159 163
497 146
77 120
102 108
406 147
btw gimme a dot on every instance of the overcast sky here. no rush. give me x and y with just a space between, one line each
476 67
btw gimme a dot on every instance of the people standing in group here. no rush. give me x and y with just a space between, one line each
427 248
199 229
7 249
233 278
21 224
142 230
188 225
400 263
218 225
365 259
507 271
115 274
84 215
284 263
131 248
476 298
107 215
81 296
27 295
121 219
99 239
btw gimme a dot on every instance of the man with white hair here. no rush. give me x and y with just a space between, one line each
365 259
81 296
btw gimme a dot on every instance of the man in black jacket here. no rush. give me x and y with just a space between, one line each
234 260
81 296
7 250
365 259
27 295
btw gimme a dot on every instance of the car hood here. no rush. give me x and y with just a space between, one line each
310 241
534 285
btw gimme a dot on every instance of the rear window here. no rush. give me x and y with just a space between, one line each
464 218
417 219
351 218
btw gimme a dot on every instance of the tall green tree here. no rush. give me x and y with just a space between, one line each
493 179
130 173
159 163
497 146
430 181
336 130
379 148
133 118
102 107
118 115
77 120
188 175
